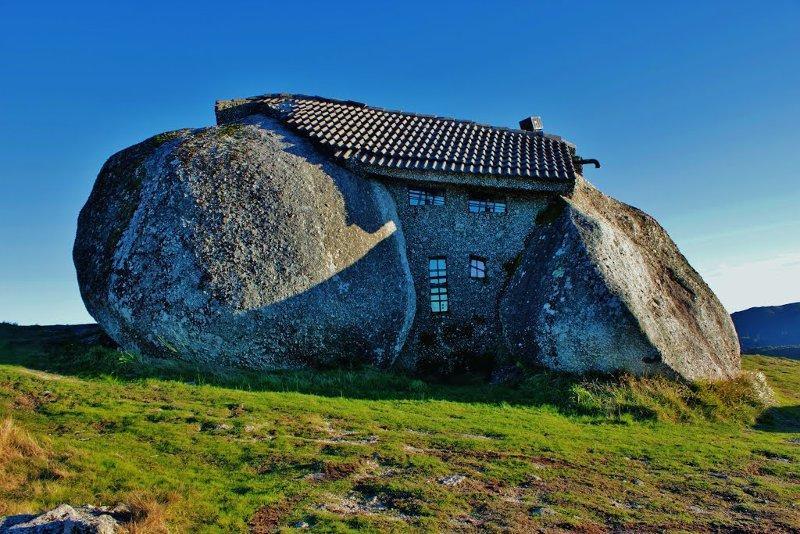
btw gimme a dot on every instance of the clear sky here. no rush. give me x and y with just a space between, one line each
692 107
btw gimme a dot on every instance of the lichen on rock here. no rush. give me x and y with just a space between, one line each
64 518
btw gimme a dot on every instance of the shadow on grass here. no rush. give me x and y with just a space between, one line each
81 351
780 419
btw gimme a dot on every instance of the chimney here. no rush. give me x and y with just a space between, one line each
532 124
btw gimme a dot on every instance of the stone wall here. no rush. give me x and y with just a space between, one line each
469 335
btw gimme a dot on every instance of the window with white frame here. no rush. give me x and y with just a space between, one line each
437 276
425 197
486 205
477 267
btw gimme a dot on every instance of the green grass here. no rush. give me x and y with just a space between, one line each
366 450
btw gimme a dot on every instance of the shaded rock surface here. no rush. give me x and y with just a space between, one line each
602 287
66 520
242 245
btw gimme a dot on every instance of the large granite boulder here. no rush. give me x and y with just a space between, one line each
601 286
242 245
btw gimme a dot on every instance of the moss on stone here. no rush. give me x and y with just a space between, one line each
160 139
229 130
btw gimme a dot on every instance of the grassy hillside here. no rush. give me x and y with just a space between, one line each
363 450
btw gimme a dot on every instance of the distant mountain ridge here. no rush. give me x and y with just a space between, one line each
773 330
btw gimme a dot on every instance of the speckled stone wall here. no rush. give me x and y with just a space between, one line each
468 336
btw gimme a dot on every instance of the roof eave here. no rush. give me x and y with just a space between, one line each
491 181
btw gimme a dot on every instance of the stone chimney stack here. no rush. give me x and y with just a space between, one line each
532 124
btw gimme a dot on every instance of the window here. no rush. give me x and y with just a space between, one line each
425 197
477 267
485 205
437 275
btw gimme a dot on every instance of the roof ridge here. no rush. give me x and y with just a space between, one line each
355 103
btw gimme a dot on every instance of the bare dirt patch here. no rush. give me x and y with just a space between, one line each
268 518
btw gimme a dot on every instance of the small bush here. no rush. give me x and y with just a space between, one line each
665 399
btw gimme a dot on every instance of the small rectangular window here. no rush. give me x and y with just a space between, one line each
477 267
425 197
485 205
437 275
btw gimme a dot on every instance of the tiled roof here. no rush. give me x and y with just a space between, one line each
405 141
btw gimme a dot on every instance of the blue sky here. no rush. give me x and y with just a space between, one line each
692 107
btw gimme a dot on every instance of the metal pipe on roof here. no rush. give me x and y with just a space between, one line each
581 161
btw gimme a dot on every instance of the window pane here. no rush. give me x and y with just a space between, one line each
437 276
424 197
477 267
484 205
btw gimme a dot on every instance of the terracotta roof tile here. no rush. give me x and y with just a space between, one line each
394 139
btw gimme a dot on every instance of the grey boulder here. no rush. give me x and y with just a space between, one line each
602 287
241 245
63 520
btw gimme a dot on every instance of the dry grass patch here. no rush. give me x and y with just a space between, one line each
148 514
15 444
22 459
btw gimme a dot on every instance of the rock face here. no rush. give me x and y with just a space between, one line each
66 519
243 245
602 287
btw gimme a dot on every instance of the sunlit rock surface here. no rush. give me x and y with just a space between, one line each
602 287
242 245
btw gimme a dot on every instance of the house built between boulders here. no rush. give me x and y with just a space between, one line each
305 231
